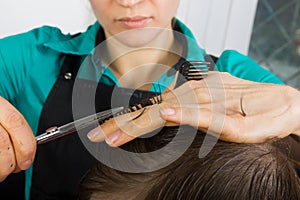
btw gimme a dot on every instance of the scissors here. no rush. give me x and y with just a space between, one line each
94 119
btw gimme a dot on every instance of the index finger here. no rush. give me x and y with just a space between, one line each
124 128
20 133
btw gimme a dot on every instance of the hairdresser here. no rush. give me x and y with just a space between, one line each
38 71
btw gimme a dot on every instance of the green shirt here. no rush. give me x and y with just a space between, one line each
30 63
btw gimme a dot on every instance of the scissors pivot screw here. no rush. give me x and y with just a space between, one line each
52 129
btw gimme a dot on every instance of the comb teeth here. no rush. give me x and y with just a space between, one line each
194 70
143 104
196 73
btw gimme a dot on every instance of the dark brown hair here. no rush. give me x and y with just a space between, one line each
229 171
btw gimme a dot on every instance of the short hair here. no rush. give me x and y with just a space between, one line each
229 171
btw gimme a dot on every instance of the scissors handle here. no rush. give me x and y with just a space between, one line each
57 132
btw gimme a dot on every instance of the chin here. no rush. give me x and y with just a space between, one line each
142 37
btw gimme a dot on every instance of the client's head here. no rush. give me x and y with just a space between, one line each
229 171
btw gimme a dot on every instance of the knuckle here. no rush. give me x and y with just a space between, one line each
225 73
195 84
14 120
4 139
26 151
199 96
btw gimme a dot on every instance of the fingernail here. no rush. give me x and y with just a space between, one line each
26 164
112 138
167 111
96 135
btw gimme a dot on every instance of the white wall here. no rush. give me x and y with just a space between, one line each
21 15
220 24
217 24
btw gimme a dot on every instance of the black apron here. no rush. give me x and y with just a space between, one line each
60 164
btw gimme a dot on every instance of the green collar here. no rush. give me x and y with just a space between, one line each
83 44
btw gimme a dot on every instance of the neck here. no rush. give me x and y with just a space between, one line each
140 67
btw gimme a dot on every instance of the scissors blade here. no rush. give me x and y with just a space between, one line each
57 132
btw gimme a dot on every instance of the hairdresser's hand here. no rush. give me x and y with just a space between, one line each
228 107
242 111
17 143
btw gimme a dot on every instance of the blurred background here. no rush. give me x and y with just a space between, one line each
275 38
266 30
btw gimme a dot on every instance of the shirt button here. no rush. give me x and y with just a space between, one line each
68 76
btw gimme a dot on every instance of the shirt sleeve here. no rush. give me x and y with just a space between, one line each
244 67
16 56
12 68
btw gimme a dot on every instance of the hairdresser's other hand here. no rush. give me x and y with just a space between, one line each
242 111
228 107
17 143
